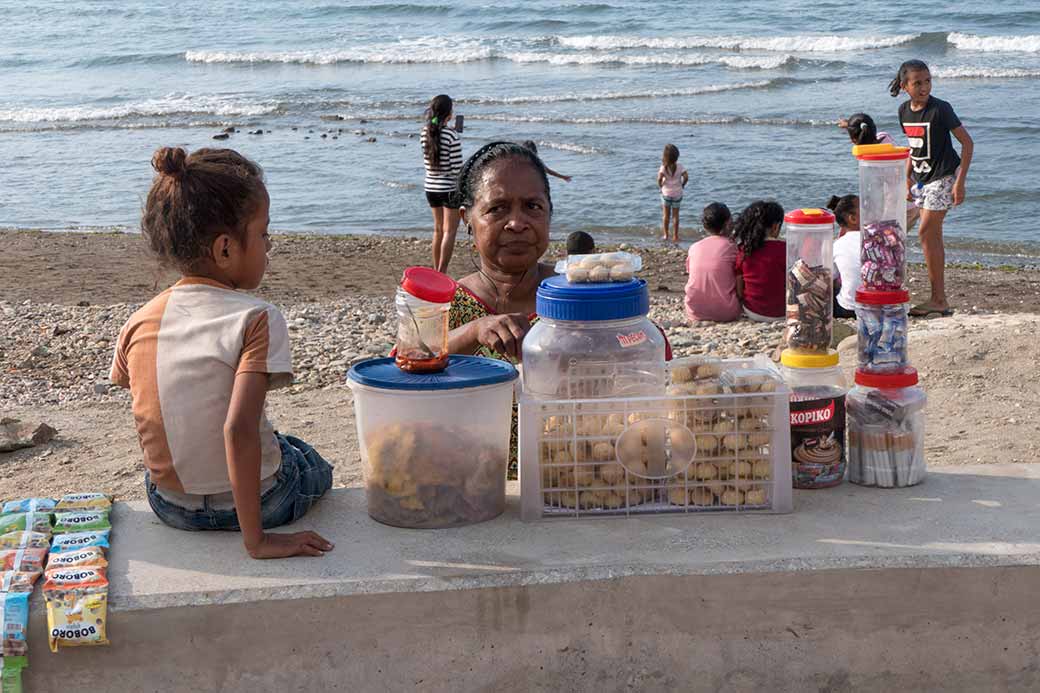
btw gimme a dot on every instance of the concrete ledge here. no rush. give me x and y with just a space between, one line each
923 588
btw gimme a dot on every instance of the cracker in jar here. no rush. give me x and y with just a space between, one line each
756 496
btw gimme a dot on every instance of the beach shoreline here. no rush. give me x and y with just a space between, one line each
64 297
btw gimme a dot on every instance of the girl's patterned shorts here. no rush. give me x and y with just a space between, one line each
936 196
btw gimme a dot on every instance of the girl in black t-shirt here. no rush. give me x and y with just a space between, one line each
936 174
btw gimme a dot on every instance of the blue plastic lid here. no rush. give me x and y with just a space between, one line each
558 299
462 372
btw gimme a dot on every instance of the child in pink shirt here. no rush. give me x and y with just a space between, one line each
711 290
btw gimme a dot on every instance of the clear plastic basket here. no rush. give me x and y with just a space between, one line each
709 451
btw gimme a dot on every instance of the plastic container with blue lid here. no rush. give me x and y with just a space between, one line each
592 341
434 446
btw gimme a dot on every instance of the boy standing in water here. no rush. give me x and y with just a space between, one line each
936 175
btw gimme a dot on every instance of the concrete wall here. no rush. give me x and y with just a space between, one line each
963 629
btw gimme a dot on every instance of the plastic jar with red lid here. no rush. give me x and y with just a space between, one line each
886 428
423 300
882 325
810 280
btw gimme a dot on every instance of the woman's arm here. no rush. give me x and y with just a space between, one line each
242 446
660 179
685 178
967 151
740 287
501 333
558 175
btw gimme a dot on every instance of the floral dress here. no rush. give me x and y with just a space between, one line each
465 308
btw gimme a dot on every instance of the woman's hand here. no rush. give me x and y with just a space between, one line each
503 333
959 192
843 123
287 545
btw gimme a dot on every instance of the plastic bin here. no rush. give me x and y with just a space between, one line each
882 325
717 451
435 446
422 301
882 216
593 340
886 429
810 279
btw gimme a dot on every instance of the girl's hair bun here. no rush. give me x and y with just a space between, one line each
170 161
833 202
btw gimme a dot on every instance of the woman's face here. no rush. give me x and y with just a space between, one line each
510 215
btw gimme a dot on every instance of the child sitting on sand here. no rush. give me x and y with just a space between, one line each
846 254
711 290
671 179
580 243
761 261
200 357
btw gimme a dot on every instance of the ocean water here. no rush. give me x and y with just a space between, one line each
750 93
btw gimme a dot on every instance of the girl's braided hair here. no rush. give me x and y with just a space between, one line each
904 71
471 173
752 226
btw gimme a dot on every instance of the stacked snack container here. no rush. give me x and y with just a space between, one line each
810 282
886 409
810 366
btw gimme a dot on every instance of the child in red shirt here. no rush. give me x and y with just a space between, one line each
761 261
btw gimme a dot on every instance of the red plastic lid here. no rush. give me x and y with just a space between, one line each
887 381
810 215
894 156
428 284
882 298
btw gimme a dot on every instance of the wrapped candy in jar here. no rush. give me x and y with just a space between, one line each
422 301
810 283
882 322
886 429
882 215
817 418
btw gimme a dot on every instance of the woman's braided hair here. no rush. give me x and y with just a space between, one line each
471 173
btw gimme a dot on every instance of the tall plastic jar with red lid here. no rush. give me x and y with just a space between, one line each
886 428
810 280
423 300
882 325
882 215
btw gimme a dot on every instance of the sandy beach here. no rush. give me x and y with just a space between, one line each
64 296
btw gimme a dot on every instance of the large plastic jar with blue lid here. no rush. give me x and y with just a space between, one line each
434 446
593 341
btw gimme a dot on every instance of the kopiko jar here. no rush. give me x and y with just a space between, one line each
810 283
817 418
593 340
886 429
882 330
422 302
882 215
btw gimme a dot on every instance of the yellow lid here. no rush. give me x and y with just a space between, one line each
859 150
801 359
